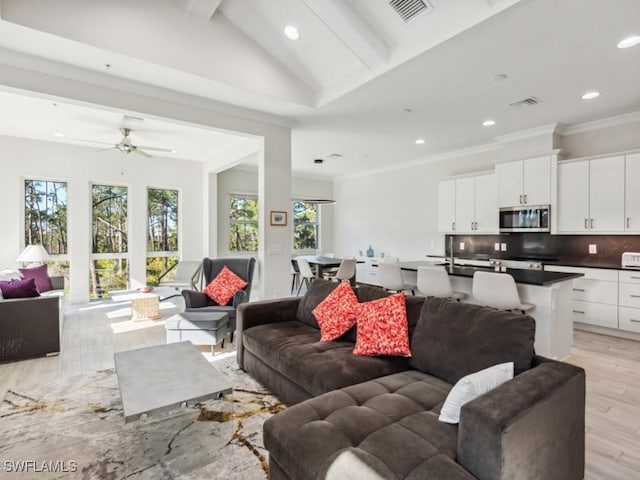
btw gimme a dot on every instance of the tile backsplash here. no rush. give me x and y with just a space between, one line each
550 249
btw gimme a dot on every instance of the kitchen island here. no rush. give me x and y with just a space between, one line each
550 292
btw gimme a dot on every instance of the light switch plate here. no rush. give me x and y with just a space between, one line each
461 245
503 247
593 249
496 246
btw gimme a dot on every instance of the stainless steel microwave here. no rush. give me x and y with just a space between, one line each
523 218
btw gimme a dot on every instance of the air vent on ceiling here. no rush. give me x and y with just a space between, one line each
527 102
408 9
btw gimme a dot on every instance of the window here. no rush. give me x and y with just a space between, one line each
243 223
109 265
45 221
305 226
162 232
45 215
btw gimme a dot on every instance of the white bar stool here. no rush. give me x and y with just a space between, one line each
390 278
498 290
435 282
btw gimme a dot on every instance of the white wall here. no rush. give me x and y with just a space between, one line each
245 180
80 166
395 211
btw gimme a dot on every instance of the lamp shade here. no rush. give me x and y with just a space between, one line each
33 253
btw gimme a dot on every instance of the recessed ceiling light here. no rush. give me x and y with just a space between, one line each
488 123
421 141
318 161
58 134
291 32
631 41
173 151
498 77
590 95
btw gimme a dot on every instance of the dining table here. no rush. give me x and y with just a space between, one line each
321 263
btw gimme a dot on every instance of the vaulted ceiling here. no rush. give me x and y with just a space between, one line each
360 81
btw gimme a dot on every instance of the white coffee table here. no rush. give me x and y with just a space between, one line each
156 379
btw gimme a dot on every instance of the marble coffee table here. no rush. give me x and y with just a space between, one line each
156 379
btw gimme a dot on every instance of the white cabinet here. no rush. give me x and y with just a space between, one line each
473 208
591 195
447 206
595 295
524 182
367 269
573 197
632 193
465 204
629 301
486 207
606 194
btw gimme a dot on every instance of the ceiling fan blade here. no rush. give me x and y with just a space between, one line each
105 149
140 152
93 141
155 149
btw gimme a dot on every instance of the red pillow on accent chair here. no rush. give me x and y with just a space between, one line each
383 328
336 314
222 288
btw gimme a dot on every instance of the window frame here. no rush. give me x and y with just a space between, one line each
231 223
317 224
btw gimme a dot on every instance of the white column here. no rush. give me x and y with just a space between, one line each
274 194
137 233
79 231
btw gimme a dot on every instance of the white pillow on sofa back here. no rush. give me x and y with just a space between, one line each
472 386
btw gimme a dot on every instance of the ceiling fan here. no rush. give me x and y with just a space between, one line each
125 145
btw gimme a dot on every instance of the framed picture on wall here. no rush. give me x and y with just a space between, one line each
278 219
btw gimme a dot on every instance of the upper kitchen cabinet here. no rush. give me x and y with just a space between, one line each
632 193
524 182
447 206
591 196
468 205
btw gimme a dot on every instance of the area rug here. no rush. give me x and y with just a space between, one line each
75 429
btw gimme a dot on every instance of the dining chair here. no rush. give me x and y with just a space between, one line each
390 278
346 270
295 275
498 290
306 274
435 282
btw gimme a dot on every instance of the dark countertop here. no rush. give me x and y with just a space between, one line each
526 277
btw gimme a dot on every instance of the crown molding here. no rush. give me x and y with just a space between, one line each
549 129
602 123
490 147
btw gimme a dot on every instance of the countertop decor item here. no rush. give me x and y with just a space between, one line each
370 252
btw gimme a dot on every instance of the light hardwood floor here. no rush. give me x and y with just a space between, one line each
613 376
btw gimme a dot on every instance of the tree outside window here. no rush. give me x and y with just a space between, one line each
243 223
45 221
109 265
305 226
162 233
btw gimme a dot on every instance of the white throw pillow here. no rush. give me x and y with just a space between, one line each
472 386
7 274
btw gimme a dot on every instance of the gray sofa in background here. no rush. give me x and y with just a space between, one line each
32 327
354 417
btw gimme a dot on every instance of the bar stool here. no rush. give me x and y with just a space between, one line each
498 290
435 282
390 278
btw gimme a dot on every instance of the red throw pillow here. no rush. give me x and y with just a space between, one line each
336 314
222 288
383 328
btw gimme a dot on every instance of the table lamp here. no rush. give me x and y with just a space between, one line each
36 254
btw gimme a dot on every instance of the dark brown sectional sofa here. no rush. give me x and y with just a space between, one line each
354 417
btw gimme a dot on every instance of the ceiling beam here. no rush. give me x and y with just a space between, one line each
203 8
352 30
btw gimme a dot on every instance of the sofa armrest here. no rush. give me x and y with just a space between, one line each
57 282
260 313
193 299
529 427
